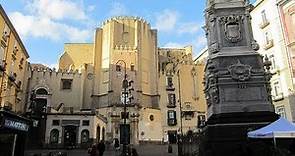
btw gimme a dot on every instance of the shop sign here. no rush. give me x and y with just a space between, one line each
13 124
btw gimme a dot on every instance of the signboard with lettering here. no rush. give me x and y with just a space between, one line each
14 124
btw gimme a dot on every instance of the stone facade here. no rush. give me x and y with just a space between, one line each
269 31
164 82
233 63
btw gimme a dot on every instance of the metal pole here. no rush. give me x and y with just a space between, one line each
125 101
14 144
124 85
180 107
274 142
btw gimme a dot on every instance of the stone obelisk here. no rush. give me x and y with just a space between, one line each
237 85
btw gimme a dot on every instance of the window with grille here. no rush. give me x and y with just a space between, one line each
84 136
132 67
273 62
267 37
55 122
85 123
66 84
54 136
5 33
281 111
171 99
1 55
263 16
277 88
171 118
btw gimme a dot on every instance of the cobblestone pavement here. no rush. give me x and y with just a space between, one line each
142 150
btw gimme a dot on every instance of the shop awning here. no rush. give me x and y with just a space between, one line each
281 128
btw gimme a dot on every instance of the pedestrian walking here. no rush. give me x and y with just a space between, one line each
134 152
92 150
116 144
101 148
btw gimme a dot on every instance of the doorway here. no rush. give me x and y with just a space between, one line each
172 137
70 136
97 134
125 133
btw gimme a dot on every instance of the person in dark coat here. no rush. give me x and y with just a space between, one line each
92 151
101 148
116 144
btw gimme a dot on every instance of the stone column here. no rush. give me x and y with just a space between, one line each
134 129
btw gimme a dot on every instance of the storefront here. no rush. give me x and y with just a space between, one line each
13 132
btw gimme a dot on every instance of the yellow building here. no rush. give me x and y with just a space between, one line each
13 89
162 98
13 67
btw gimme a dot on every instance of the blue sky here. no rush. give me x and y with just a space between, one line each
45 25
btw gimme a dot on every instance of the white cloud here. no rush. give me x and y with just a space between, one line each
201 40
91 8
55 65
173 45
198 44
42 27
48 20
190 27
51 66
118 9
57 9
166 20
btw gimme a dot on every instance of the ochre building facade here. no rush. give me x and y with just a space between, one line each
163 99
14 69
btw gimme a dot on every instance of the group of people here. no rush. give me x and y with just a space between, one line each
97 149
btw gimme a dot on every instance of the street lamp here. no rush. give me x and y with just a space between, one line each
125 93
180 109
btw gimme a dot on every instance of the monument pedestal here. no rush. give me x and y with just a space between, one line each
226 134
237 88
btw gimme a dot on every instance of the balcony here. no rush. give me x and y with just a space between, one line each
263 24
170 88
278 97
172 122
170 105
268 44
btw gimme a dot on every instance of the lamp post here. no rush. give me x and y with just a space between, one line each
124 86
180 106
180 109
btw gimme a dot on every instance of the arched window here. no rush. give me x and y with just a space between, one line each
54 135
42 91
85 136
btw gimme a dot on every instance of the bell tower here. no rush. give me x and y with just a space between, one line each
237 86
